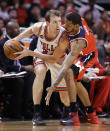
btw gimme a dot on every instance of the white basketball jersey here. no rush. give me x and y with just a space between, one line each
45 46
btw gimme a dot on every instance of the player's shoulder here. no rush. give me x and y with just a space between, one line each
37 27
38 24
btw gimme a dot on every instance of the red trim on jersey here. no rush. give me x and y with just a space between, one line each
40 29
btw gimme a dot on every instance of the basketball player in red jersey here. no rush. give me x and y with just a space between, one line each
83 54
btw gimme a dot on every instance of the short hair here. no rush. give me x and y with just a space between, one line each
74 17
52 12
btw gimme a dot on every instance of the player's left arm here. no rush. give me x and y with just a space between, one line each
76 47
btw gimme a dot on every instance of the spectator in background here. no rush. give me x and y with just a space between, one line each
51 4
19 88
100 89
2 24
2 28
65 6
4 10
44 3
12 12
105 23
22 14
104 52
14 19
102 28
89 18
91 6
62 8
36 2
13 86
69 6
27 4
34 15
98 33
1 34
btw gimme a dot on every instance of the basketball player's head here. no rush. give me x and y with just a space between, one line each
72 22
12 29
53 19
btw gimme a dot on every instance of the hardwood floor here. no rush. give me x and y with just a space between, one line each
52 125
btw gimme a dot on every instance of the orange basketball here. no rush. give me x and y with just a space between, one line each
10 47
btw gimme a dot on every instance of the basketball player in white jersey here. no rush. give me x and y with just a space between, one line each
52 42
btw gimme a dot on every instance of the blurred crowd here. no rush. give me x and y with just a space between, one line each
18 91
27 12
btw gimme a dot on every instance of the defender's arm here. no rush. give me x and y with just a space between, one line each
76 47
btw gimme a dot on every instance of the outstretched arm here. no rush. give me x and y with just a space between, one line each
76 47
34 29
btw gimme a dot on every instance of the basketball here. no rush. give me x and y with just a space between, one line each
11 47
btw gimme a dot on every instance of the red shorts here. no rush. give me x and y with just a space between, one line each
82 63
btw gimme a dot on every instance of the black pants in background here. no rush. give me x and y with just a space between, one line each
14 88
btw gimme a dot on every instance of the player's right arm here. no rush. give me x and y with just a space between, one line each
34 29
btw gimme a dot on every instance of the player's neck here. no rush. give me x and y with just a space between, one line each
51 33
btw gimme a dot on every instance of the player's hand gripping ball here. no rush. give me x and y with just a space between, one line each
11 47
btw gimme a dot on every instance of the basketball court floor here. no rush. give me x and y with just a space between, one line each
52 125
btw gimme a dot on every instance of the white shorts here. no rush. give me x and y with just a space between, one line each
54 69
